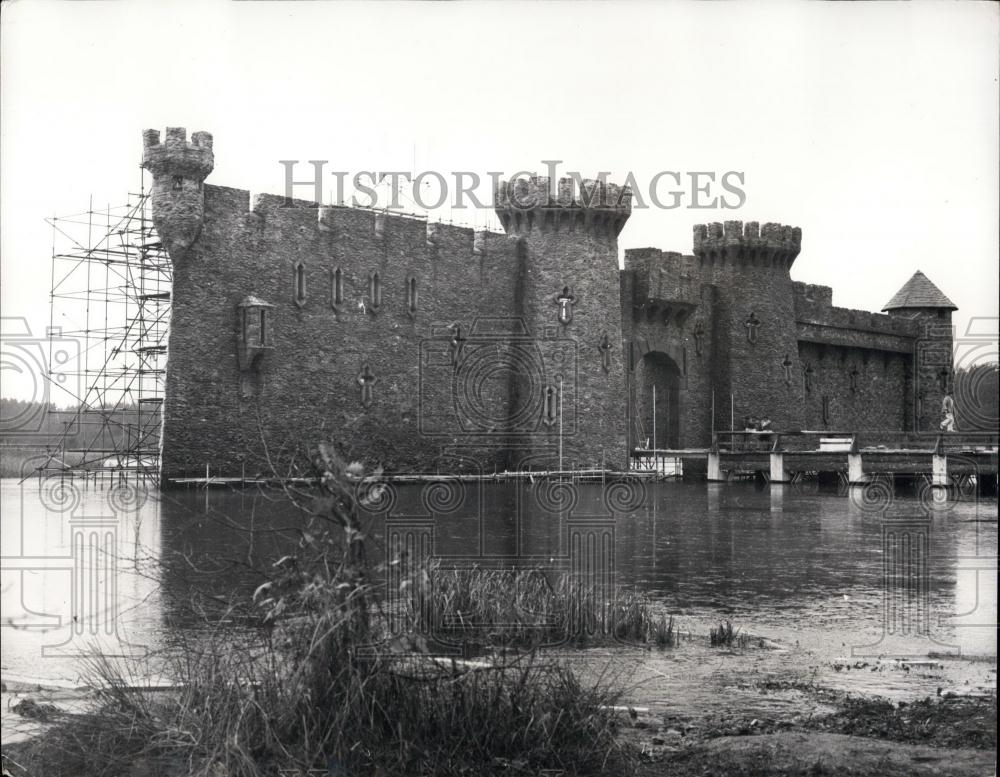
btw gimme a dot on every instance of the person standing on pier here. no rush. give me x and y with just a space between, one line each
948 413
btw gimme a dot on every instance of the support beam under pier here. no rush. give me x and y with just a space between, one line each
939 471
779 474
715 468
856 470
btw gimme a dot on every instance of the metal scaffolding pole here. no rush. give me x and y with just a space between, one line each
110 302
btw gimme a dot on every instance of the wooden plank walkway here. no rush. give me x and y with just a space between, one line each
782 456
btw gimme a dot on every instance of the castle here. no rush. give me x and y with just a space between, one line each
434 348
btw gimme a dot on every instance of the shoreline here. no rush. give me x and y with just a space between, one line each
865 736
759 702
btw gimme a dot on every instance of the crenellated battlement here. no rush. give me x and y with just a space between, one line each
179 170
663 276
349 221
176 156
529 204
811 294
290 314
855 320
771 245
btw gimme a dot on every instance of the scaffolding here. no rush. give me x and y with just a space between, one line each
110 310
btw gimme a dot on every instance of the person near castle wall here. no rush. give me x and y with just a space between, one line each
948 413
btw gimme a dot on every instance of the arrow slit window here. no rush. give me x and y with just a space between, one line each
300 284
337 289
411 295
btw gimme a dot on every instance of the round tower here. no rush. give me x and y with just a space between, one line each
757 370
568 298
179 170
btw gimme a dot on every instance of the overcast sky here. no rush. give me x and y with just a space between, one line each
873 127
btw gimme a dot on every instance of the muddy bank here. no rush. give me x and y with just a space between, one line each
950 735
866 737
769 708
798 753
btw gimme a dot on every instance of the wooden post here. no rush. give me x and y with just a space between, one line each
939 470
655 468
856 470
778 472
654 422
714 469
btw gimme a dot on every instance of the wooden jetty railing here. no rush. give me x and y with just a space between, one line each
780 455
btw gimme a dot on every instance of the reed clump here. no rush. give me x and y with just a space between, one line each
326 680
727 635
487 608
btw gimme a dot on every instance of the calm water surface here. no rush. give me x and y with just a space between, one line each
805 569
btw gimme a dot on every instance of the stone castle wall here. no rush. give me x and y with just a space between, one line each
807 364
428 347
668 320
414 345
859 364
305 388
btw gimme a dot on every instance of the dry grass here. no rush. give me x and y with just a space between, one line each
236 716
726 635
483 609
323 682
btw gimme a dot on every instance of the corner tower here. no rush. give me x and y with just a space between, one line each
757 370
568 298
179 170
932 372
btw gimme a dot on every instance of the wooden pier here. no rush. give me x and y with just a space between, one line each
854 458
943 460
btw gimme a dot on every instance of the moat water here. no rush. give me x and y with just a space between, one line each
814 573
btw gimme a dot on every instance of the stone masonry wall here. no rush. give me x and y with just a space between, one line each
848 389
668 321
933 368
567 293
426 347
305 389
756 346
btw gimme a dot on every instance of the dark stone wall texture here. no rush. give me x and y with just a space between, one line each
424 414
431 348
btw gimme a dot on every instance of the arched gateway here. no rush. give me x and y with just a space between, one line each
658 388
659 384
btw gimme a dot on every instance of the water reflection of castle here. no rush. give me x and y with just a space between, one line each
404 339
911 576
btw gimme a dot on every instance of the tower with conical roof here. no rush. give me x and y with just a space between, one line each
932 376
